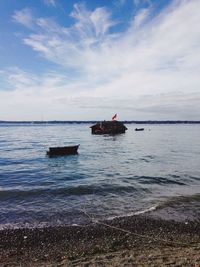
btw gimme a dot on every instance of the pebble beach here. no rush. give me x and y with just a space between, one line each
126 241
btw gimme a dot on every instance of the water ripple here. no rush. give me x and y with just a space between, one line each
111 175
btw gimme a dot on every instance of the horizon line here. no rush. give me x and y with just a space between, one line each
94 121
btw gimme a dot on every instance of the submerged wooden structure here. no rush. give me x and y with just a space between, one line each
108 127
63 151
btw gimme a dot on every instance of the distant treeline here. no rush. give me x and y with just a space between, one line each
92 122
162 122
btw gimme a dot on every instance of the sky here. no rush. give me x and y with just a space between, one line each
87 60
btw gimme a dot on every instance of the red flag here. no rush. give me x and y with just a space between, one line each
114 117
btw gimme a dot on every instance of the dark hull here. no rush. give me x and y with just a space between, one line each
108 127
62 151
100 132
139 129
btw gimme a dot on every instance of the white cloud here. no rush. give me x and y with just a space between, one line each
141 17
136 2
50 2
150 71
24 17
140 2
119 3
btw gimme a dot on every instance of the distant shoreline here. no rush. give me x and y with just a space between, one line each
92 122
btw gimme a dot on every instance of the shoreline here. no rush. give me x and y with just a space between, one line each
131 241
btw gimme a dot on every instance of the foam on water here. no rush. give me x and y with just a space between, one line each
146 210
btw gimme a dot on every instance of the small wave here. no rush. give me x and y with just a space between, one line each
146 210
17 192
178 200
158 180
148 158
152 208
179 208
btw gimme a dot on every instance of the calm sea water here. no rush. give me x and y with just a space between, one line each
155 171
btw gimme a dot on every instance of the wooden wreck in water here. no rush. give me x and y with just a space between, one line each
62 151
139 129
108 127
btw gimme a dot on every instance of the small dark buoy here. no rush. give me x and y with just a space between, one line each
139 129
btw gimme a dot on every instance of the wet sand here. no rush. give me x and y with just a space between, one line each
127 241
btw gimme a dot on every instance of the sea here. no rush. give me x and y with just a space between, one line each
155 172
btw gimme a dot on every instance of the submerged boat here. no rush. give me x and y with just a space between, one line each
108 127
139 129
62 151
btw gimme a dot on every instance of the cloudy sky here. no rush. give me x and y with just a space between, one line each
87 60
